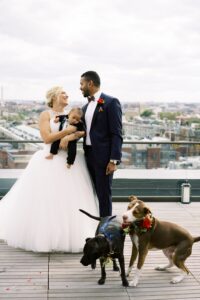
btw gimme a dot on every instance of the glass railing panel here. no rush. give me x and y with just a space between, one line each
15 154
146 155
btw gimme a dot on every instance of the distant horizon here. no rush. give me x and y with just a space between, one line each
85 100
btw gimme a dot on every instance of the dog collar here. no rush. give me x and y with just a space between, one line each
141 226
144 225
109 243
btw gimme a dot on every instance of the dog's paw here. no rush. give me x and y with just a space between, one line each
125 282
161 268
177 279
134 282
101 281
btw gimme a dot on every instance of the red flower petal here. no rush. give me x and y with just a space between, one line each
100 101
124 225
146 223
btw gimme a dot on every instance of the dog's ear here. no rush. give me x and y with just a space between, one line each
87 239
146 210
132 198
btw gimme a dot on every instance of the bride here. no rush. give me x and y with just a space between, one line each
41 211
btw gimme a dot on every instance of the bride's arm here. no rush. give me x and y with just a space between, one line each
45 130
71 137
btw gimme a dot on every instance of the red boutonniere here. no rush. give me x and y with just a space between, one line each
101 101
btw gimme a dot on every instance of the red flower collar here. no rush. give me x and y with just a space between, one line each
146 223
139 226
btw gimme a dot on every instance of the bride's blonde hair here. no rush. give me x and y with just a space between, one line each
52 94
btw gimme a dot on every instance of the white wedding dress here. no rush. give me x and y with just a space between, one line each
41 211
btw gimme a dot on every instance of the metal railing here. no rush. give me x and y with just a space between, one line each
124 142
157 158
135 154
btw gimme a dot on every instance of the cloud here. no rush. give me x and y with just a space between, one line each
143 50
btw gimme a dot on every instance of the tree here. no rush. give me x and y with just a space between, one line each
169 115
146 113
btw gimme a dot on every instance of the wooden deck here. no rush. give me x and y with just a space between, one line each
28 275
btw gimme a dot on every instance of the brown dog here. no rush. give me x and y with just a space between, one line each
148 233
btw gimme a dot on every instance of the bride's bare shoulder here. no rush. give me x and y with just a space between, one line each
44 116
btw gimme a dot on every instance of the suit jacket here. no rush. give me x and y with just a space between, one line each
106 130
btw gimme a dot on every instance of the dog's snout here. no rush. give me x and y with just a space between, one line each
125 218
84 262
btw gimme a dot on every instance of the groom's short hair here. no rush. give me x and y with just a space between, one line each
92 75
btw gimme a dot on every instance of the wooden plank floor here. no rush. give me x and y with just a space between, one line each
28 275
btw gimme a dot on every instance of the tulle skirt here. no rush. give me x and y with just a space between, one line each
41 211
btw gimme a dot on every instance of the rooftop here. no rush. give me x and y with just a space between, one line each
28 275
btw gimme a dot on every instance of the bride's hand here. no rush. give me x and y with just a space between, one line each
71 137
79 134
71 128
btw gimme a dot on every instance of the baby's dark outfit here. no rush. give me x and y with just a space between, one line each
72 145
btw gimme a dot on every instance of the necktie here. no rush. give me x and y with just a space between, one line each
91 98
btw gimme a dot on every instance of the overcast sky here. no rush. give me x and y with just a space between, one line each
143 50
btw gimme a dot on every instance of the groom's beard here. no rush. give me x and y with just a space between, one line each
86 93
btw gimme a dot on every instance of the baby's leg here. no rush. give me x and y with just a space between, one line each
49 156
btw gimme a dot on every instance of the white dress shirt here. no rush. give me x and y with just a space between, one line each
89 116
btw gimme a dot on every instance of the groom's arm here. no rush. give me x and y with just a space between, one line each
115 128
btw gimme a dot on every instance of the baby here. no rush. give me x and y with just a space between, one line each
74 118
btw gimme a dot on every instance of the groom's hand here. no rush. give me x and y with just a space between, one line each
110 168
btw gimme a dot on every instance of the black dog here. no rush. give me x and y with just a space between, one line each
108 243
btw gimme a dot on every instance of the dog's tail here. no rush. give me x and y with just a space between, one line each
197 239
89 215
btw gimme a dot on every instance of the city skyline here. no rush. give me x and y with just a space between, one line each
143 50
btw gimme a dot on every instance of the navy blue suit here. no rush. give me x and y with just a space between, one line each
106 140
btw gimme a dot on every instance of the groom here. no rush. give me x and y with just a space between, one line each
103 141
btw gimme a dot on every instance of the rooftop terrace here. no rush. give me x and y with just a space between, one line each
28 275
